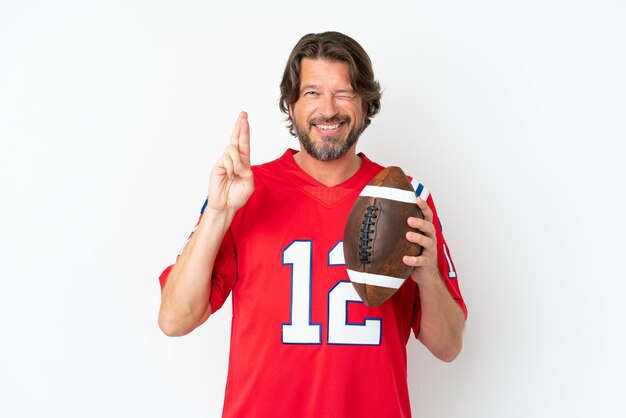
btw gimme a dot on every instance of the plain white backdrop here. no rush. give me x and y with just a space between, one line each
113 112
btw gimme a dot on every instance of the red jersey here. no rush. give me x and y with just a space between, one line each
302 342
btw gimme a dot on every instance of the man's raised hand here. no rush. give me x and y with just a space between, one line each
232 181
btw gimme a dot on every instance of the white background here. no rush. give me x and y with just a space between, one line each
113 112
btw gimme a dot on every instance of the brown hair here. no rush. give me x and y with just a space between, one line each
333 46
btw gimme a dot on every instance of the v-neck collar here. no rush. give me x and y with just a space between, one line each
327 195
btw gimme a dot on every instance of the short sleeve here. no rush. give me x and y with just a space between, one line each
444 259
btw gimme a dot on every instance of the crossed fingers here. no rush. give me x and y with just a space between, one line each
236 158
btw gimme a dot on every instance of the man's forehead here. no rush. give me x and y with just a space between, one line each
321 71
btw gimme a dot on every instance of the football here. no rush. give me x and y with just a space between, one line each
375 236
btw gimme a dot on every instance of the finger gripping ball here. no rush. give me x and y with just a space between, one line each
375 236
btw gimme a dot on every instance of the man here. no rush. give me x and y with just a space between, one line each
302 343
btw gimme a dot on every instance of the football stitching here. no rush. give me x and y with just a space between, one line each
367 229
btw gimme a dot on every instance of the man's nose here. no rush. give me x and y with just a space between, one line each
328 106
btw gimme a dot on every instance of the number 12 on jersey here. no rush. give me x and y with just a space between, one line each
301 329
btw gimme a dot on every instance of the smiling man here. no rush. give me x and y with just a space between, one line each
328 108
303 344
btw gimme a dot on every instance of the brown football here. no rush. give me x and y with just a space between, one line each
375 236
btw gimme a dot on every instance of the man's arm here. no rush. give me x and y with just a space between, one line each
442 320
185 297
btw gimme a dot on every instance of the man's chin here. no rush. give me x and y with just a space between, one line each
326 148
326 153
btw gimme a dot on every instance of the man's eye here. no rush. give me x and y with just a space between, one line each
345 96
311 93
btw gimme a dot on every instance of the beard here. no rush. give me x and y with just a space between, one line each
330 147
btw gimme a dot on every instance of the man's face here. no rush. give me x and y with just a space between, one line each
328 115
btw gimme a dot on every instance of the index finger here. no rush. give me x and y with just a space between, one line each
428 214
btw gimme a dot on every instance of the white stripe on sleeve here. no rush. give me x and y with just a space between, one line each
420 190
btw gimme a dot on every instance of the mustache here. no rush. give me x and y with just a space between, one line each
329 121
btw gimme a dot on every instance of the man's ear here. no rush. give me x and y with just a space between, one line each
290 111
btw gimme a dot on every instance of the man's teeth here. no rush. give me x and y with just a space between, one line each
328 127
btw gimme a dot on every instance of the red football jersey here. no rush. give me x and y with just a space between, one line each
302 343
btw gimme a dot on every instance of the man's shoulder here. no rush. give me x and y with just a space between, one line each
276 174
370 165
275 164
418 186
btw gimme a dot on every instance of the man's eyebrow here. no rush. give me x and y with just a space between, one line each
309 86
348 90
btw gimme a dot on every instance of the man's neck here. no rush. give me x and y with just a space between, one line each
329 173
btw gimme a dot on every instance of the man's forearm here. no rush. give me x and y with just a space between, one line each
185 297
442 321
